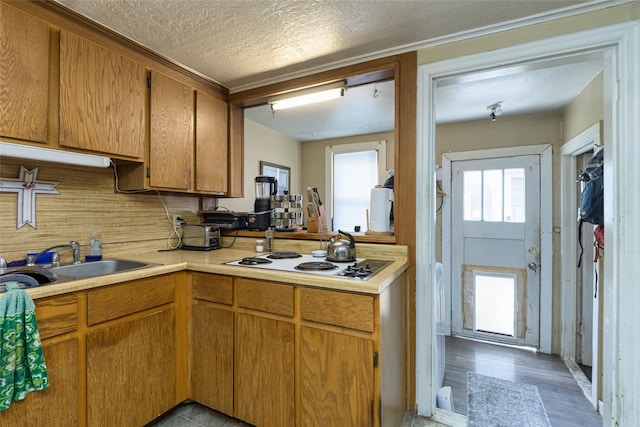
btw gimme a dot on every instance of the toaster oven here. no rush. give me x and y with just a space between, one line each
200 237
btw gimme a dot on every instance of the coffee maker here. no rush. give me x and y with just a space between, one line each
260 218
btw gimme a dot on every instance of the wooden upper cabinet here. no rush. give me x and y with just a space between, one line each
211 143
102 99
24 75
172 133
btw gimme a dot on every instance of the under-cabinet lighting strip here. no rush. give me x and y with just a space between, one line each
29 152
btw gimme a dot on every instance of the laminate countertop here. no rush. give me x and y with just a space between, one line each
213 262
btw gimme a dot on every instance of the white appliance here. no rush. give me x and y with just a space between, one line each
361 269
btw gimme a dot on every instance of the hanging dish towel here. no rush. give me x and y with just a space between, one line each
22 366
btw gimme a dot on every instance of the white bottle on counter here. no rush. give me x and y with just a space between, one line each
95 243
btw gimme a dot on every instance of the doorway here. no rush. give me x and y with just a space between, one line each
618 46
582 332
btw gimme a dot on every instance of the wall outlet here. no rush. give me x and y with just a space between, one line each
177 220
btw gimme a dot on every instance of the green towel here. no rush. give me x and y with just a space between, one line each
22 366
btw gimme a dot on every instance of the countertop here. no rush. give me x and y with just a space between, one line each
213 262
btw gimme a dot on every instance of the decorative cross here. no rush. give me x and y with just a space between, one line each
27 187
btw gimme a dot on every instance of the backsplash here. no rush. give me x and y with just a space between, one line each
128 223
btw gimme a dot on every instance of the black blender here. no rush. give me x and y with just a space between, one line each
260 218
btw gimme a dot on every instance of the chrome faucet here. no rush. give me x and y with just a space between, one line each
73 245
3 263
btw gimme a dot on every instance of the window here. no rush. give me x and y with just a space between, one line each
494 195
353 170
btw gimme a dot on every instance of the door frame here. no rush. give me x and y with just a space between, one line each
580 144
620 44
544 151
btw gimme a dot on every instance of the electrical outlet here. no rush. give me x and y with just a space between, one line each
177 220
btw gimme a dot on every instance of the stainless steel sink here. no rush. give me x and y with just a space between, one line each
99 268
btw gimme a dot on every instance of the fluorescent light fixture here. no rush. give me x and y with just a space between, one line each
307 96
30 152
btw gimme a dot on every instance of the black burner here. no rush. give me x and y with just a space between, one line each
315 266
284 255
254 261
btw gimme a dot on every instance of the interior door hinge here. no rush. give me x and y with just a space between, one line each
375 359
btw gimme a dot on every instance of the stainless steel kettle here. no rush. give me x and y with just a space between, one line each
340 250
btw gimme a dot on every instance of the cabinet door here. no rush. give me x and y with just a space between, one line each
212 357
336 379
264 372
211 144
102 99
131 371
171 144
57 405
24 75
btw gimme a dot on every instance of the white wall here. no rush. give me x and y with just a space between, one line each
261 143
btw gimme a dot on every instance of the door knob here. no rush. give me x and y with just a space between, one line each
533 266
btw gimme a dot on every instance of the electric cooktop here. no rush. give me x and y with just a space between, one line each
360 269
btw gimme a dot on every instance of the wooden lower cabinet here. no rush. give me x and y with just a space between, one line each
336 379
131 370
300 356
58 404
264 374
212 357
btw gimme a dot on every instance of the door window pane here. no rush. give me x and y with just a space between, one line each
354 175
514 195
472 189
494 303
492 195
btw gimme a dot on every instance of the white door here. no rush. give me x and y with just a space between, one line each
495 249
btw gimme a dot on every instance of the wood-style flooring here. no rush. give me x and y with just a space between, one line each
563 400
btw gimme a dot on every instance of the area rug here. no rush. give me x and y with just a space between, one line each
492 402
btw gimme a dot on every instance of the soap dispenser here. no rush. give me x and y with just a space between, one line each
95 244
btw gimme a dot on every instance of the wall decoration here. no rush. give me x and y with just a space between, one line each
27 186
281 173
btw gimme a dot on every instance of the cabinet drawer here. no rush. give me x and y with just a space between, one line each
213 287
57 315
337 308
130 297
264 296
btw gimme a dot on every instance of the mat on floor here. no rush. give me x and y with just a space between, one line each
492 402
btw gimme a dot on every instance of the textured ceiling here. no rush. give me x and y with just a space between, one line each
241 42
244 44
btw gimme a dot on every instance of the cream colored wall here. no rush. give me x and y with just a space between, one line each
313 157
261 143
609 16
531 129
585 110
129 223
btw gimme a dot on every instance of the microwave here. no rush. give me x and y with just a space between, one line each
200 237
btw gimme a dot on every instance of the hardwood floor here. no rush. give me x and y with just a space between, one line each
563 400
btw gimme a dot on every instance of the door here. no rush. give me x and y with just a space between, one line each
495 249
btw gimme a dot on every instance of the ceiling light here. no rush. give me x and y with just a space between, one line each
49 155
307 96
496 110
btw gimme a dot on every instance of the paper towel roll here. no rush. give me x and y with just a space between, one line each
380 208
